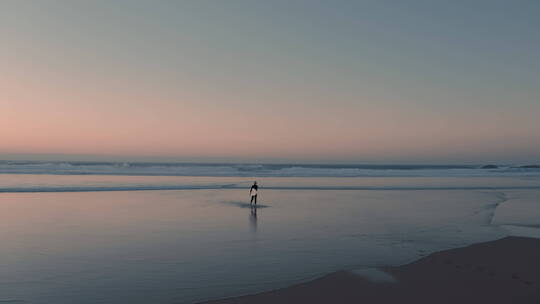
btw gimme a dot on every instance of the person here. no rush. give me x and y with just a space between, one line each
253 192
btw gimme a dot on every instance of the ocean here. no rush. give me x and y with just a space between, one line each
122 232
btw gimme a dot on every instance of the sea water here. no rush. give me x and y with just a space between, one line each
88 237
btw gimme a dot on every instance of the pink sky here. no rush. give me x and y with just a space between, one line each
44 118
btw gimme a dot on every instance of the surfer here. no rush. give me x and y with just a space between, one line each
253 193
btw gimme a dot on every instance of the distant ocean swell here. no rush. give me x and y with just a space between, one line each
255 170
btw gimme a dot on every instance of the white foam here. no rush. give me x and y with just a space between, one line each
523 231
374 275
522 208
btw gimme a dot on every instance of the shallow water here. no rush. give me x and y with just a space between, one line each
184 246
10 183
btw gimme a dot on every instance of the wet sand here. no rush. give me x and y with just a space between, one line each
501 271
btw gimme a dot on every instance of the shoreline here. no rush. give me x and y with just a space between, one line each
501 271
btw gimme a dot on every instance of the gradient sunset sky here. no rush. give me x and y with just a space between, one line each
353 81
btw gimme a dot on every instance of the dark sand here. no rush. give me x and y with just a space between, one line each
503 271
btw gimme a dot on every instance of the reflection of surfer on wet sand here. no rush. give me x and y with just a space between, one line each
253 218
253 193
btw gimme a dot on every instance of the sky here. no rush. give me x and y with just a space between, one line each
336 81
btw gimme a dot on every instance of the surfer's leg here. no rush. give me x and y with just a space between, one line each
255 198
251 202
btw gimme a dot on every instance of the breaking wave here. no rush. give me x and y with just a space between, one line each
253 170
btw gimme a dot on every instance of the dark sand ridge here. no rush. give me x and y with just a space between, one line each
503 271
